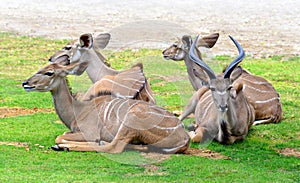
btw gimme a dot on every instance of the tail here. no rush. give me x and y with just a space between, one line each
224 133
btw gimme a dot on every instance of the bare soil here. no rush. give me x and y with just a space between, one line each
264 28
206 153
290 152
16 144
16 111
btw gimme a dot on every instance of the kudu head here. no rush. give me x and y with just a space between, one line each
75 50
220 86
47 78
180 49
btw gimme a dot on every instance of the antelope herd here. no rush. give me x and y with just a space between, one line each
119 110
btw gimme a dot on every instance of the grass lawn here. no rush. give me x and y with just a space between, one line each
29 124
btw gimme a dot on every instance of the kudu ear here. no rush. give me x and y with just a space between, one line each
102 40
208 41
86 41
236 73
76 68
199 73
186 42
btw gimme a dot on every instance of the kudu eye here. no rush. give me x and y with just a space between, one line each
175 45
212 89
49 73
229 88
67 47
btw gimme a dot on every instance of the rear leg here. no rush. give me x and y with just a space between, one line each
130 146
69 139
267 121
123 137
75 137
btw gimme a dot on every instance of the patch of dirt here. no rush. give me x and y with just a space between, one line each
205 153
290 152
16 111
156 157
16 144
153 170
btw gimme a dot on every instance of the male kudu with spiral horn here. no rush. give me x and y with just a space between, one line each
222 112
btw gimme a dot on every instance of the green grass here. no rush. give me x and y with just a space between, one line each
254 160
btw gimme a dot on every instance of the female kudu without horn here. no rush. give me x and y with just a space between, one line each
107 123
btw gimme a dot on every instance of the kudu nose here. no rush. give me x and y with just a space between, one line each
24 83
50 59
223 108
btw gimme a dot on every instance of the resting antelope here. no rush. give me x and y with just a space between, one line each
222 112
258 91
107 123
122 82
180 51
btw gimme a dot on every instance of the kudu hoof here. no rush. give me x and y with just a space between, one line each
57 148
102 143
191 127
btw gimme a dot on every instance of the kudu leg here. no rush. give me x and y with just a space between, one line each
94 147
196 136
130 146
192 104
123 137
121 140
72 137
232 138
77 142
190 108
265 121
70 140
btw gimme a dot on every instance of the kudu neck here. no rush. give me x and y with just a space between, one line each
97 69
65 105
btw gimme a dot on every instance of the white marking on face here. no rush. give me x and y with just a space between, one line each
221 93
76 56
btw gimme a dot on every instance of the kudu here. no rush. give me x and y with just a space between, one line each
179 51
259 92
222 112
123 82
107 123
